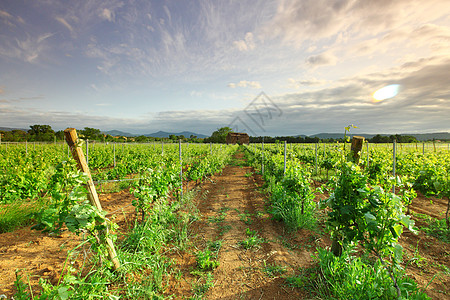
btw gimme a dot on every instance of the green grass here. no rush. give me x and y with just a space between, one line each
274 270
18 214
253 240
246 218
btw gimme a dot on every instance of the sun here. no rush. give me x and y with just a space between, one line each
386 92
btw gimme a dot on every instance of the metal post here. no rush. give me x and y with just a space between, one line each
114 151
181 169
394 145
316 157
87 152
367 147
284 172
262 161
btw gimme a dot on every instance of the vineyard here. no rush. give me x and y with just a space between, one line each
211 221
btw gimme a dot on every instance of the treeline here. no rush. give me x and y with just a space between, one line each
45 133
299 139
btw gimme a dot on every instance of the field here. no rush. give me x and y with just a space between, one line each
194 221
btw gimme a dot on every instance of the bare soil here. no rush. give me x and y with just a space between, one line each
228 203
39 255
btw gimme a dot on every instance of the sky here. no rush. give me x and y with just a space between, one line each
264 67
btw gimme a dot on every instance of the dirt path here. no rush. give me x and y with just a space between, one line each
233 209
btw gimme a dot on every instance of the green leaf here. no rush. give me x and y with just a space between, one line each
63 293
369 217
398 253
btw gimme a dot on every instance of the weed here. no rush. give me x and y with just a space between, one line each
206 260
438 229
203 284
417 259
246 218
274 270
223 229
253 241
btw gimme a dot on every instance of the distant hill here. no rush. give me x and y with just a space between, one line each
430 136
187 134
119 133
11 129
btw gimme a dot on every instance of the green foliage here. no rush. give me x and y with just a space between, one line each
365 214
438 229
253 240
67 189
18 214
351 277
220 135
274 270
41 133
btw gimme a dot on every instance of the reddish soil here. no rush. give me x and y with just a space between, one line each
236 196
228 203
429 258
40 255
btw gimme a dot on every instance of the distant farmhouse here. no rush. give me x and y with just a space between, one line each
238 138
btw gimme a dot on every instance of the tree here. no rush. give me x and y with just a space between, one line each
91 134
220 135
41 133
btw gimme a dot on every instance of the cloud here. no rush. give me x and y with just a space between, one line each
299 21
322 59
2 90
65 23
28 48
245 83
107 15
5 14
246 44
292 83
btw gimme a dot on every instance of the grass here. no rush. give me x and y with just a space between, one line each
274 270
145 268
246 218
253 240
15 215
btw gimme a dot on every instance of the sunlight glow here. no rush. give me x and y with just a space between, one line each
386 92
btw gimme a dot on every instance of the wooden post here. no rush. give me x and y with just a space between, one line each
357 143
77 153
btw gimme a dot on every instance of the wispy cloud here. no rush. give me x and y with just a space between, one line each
65 23
245 83
295 84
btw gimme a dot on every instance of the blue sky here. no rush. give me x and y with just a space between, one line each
265 67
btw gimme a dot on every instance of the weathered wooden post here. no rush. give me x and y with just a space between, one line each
77 153
357 143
